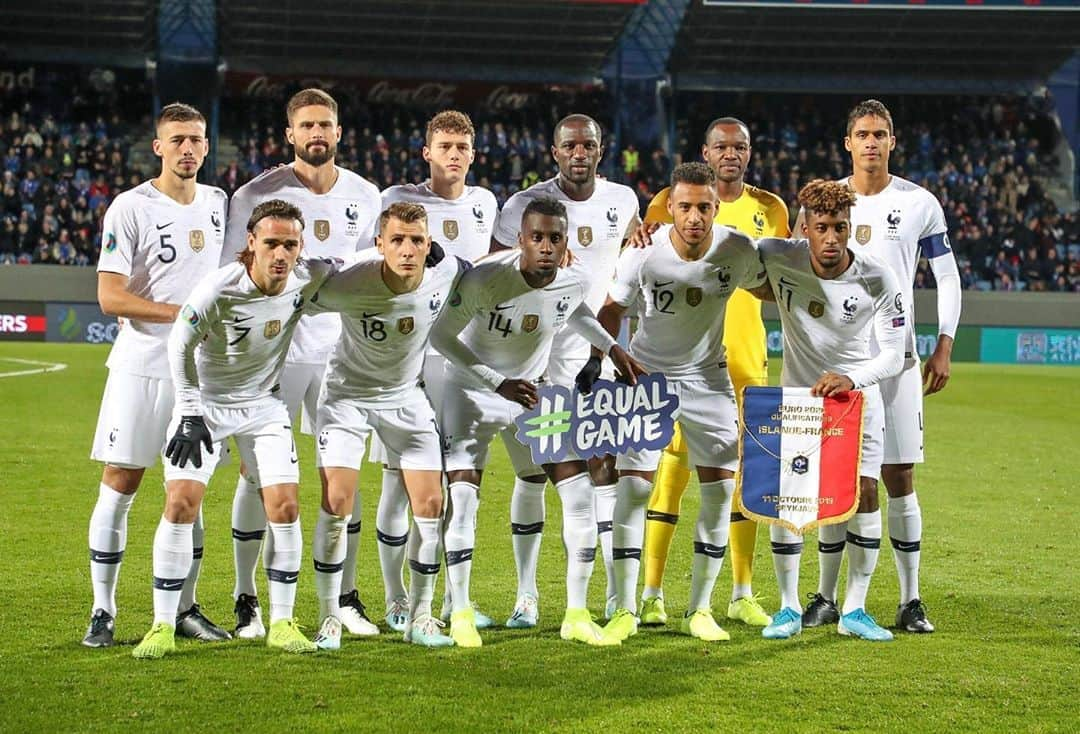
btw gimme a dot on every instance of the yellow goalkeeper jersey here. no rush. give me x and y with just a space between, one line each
756 213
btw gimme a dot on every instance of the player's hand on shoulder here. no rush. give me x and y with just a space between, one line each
186 443
435 255
522 392
641 237
830 384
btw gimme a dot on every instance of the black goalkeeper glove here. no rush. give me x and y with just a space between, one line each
588 376
185 443
435 255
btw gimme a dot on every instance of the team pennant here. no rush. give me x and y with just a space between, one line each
799 457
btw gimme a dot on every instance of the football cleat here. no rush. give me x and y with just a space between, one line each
610 606
578 626
857 623
653 613
785 624
526 613
483 621
623 624
397 614
100 631
329 637
354 616
700 624
910 617
194 625
159 641
424 630
820 611
463 628
748 610
249 624
285 635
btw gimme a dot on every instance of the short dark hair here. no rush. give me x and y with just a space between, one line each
826 197
869 107
276 208
307 98
727 121
179 112
577 117
403 211
545 206
695 174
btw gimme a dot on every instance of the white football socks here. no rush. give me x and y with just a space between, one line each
905 532
283 567
628 532
459 539
392 533
107 540
172 560
710 540
248 529
864 543
526 527
579 536
328 556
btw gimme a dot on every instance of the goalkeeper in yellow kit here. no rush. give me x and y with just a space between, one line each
756 213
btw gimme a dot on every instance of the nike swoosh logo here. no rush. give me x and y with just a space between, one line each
293 461
242 319
785 281
163 226
503 308
661 284
372 315
172 586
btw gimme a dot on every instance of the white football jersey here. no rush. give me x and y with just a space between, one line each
229 343
504 322
894 226
598 227
462 226
380 356
336 224
827 324
164 248
681 303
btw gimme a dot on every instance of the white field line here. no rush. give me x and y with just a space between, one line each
42 367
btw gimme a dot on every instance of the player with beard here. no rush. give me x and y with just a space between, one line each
158 240
340 210
601 215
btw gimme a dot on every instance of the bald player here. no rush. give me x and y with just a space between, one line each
755 213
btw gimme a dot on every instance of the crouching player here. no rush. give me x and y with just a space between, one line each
226 351
683 283
830 298
388 305
497 334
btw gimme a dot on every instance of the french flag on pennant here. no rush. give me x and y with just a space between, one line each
799 457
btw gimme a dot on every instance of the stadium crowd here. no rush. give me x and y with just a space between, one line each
64 161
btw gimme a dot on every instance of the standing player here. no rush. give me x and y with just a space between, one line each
601 217
896 220
683 284
226 352
756 213
158 240
497 335
340 209
373 384
830 299
463 218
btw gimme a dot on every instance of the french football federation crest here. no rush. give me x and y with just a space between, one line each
530 322
613 215
478 212
800 464
322 229
215 219
862 234
584 235
816 309
405 325
352 212
272 329
450 229
197 240
759 220
693 296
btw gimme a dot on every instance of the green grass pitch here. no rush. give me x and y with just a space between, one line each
1000 579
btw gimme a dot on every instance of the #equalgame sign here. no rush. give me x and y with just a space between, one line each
613 419
799 457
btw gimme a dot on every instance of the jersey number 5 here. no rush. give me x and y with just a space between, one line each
166 246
